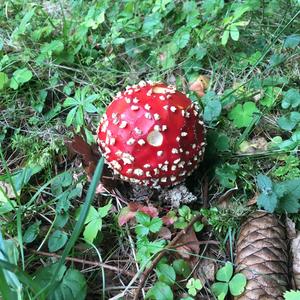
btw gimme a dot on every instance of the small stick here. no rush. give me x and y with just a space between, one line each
87 262
156 260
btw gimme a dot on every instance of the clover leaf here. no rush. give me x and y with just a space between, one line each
242 115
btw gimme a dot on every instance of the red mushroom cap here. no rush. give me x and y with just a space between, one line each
151 134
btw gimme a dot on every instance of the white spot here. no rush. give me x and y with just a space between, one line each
119 153
163 179
119 94
123 124
194 146
189 163
160 153
160 165
180 150
174 151
157 127
116 165
195 113
127 158
127 100
112 141
149 93
130 141
129 92
155 138
177 139
164 168
166 107
138 172
173 108
107 150
187 114
147 106
187 152
202 144
173 168
148 174
141 142
164 127
183 133
162 97
148 115
181 164
116 121
135 100
146 166
138 131
200 122
134 107
182 113
156 117
156 171
176 161
129 171
173 178
182 174
142 83
169 96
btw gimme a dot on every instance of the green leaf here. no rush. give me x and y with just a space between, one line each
276 59
155 225
54 46
57 240
70 284
264 183
225 37
225 273
103 211
234 32
291 99
271 94
226 174
32 232
142 218
185 211
91 230
181 37
182 267
198 226
290 121
220 289
70 116
70 102
166 274
20 77
242 115
3 80
237 284
292 295
212 107
152 24
141 230
268 202
160 291
292 41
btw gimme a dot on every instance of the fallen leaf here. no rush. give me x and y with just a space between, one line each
207 270
253 200
200 85
125 216
258 144
7 189
188 244
165 233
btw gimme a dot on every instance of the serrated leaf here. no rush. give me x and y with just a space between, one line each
268 202
155 225
142 218
264 183
237 284
182 267
20 77
292 295
242 115
212 107
226 174
225 273
91 230
141 230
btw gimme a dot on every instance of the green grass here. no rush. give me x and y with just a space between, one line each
88 51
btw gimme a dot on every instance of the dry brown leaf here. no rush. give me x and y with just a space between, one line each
295 249
7 189
200 85
262 256
165 233
257 144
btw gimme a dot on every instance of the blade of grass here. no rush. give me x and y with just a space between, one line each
4 288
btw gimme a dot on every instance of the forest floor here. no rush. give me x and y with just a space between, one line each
66 235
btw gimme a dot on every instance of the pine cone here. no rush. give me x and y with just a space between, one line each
262 256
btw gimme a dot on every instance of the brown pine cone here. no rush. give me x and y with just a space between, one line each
262 256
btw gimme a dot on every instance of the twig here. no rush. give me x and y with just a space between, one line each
156 260
82 261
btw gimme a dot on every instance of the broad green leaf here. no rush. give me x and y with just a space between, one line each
103 211
234 33
181 37
225 273
152 24
220 289
198 226
141 230
90 108
166 274
182 267
292 295
70 116
91 230
271 94
212 107
142 218
79 116
3 80
264 183
32 232
276 59
225 37
291 99
160 291
155 225
226 174
20 76
70 102
290 121
57 240
268 202
54 46
242 115
237 284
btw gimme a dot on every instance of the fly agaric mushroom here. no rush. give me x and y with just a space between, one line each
152 135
